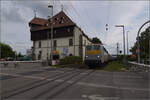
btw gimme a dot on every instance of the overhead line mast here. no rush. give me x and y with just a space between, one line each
108 15
35 11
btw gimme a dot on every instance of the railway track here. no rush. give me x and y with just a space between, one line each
34 84
69 83
55 86
66 87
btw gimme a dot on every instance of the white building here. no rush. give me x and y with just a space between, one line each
68 38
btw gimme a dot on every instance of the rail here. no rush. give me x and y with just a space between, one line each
133 66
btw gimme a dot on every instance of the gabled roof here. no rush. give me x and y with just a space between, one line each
59 20
38 21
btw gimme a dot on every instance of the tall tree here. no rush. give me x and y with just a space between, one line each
144 44
96 40
6 51
19 55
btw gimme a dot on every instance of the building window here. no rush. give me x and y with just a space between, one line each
60 22
70 42
55 43
85 42
40 54
68 29
33 44
55 31
39 44
62 18
56 18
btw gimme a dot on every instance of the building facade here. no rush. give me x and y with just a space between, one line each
68 38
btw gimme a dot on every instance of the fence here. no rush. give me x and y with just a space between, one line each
133 66
24 64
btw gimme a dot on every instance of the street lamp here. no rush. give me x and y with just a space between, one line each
138 41
51 23
123 40
127 44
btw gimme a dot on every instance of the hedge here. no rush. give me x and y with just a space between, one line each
71 60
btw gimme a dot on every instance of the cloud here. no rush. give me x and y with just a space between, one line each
95 17
10 13
91 16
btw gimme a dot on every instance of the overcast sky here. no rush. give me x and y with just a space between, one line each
91 16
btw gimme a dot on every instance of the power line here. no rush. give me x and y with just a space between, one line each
85 22
80 19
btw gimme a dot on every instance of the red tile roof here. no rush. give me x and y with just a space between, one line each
59 20
39 21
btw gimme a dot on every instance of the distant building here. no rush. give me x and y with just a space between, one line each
29 52
68 38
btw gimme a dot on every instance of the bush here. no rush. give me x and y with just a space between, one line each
70 60
114 66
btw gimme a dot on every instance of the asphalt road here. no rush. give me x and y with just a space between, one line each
44 83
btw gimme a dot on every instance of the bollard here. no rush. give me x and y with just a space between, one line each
5 64
15 65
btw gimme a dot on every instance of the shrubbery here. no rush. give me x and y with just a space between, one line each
114 66
70 60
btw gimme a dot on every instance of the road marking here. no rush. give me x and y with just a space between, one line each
99 97
79 83
59 80
113 87
119 76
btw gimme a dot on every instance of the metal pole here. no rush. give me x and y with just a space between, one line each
0 38
52 36
149 37
0 44
117 49
127 44
124 44
124 58
138 41
15 55
51 20
149 45
47 44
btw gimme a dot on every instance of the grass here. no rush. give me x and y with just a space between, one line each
114 66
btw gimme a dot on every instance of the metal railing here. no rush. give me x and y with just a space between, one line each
21 63
133 66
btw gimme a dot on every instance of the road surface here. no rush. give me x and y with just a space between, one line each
43 83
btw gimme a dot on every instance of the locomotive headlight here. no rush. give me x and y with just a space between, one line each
98 56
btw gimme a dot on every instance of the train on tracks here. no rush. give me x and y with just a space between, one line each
96 54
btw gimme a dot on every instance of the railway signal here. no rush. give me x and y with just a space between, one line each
106 27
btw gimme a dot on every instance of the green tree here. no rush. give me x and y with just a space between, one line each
19 55
6 51
144 44
96 40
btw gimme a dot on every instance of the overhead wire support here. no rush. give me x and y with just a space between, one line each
108 16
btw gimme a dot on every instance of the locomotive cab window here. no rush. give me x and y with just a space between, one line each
96 47
88 47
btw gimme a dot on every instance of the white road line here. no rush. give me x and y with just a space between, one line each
119 76
113 87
